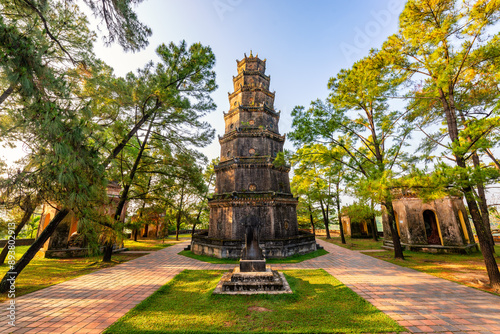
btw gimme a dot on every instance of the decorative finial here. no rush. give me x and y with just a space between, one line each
251 55
245 54
257 56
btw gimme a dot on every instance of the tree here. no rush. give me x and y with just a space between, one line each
189 186
208 178
358 121
318 177
40 43
445 52
183 80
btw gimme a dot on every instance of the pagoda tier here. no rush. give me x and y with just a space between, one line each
248 184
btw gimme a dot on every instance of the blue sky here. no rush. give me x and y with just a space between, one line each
305 42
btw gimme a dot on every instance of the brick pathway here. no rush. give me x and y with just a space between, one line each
420 302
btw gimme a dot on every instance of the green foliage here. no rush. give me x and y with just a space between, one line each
9 220
30 228
121 23
364 135
449 61
359 212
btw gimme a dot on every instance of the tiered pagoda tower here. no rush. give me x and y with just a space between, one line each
249 187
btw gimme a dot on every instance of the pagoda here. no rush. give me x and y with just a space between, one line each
250 186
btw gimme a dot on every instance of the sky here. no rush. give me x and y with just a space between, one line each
305 43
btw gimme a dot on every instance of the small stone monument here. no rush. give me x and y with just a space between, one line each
252 276
252 258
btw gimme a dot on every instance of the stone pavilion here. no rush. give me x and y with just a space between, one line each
438 226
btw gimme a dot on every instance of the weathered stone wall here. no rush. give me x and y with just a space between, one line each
278 220
250 119
249 78
250 179
250 147
410 219
251 96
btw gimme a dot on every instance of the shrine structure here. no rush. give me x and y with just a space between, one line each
250 185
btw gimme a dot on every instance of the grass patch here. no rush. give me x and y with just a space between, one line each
292 259
41 273
320 304
147 244
467 269
356 244
206 258
299 258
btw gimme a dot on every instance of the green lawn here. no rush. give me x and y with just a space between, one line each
356 244
291 259
319 304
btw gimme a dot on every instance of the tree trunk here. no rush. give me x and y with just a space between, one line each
26 217
396 241
484 242
196 221
328 220
492 157
374 228
108 252
325 216
6 93
11 275
179 213
312 220
339 214
483 204
136 233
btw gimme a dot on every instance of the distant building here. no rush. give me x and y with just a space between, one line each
356 229
66 241
155 228
438 226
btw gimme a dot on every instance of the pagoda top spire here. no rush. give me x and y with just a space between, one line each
251 63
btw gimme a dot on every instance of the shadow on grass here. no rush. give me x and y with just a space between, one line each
320 303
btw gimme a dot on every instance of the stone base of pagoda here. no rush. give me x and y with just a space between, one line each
300 244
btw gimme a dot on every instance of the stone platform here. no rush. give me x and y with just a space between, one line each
268 282
303 243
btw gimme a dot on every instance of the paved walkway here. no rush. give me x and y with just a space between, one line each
418 301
